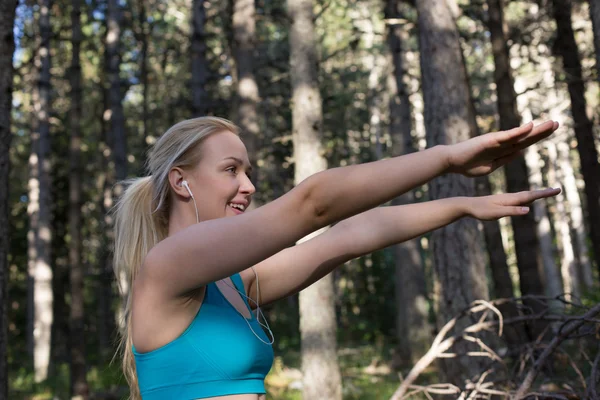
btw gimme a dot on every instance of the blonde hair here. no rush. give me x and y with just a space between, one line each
141 215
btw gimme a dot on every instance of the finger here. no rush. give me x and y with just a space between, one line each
538 133
515 133
531 196
517 210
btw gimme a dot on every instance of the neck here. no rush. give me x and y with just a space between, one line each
181 217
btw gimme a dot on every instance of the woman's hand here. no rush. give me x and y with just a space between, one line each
483 154
504 205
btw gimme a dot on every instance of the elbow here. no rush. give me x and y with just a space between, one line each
314 202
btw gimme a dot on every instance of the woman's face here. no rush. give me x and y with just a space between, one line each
220 182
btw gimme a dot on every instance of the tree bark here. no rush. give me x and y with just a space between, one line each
7 48
413 331
144 30
458 255
244 35
200 68
321 373
553 282
577 224
116 137
566 47
595 17
79 386
39 208
105 294
517 174
568 267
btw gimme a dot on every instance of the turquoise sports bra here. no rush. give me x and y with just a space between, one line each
217 355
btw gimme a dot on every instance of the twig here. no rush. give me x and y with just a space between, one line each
559 338
440 345
438 388
491 353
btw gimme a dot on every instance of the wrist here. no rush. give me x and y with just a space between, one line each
462 206
444 154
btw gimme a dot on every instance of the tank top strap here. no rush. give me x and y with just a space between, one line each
212 294
239 283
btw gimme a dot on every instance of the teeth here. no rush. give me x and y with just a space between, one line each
238 206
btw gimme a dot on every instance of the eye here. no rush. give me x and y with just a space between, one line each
232 169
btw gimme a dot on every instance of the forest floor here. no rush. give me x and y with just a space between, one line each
365 375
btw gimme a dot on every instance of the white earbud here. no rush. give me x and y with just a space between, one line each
185 185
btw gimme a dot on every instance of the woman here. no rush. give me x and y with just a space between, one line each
193 256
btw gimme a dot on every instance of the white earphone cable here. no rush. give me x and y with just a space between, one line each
259 312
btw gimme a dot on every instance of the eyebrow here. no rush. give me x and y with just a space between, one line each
239 161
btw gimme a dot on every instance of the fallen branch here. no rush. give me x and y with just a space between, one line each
569 329
559 338
439 346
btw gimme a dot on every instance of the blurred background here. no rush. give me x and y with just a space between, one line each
96 82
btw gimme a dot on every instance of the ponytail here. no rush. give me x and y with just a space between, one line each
137 230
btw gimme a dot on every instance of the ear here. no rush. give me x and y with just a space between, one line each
176 176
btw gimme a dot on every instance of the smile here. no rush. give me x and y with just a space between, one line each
238 208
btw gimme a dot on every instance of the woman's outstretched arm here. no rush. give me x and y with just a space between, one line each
295 268
342 191
215 249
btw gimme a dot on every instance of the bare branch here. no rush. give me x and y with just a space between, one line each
563 334
571 327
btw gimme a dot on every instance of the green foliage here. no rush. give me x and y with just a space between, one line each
360 381
351 42
100 379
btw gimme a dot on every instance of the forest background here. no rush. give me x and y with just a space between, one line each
88 86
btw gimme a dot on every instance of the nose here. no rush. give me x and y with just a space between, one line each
246 186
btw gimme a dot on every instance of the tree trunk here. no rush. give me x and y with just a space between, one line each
377 65
144 32
115 97
321 373
200 69
553 282
568 267
458 255
595 17
412 327
503 286
116 137
517 174
571 194
39 208
105 294
244 35
7 48
79 385
514 335
144 67
566 47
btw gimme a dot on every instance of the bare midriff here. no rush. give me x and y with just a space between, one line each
238 397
